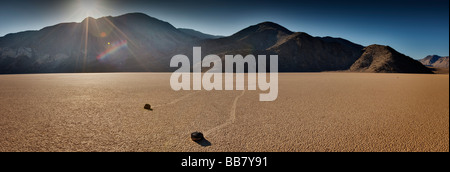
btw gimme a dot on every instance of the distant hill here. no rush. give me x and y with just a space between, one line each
136 42
435 61
198 34
384 59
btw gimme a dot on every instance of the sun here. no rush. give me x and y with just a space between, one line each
88 7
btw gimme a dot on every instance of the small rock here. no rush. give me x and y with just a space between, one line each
147 106
197 136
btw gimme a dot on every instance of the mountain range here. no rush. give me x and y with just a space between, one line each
136 42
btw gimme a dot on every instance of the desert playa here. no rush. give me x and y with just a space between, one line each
313 112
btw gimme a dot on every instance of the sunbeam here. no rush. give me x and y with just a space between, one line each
86 37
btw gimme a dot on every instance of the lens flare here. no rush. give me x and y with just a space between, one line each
113 47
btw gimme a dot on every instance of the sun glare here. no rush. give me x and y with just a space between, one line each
88 7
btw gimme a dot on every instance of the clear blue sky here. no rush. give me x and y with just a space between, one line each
414 27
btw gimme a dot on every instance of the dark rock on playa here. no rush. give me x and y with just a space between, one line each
197 136
147 106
